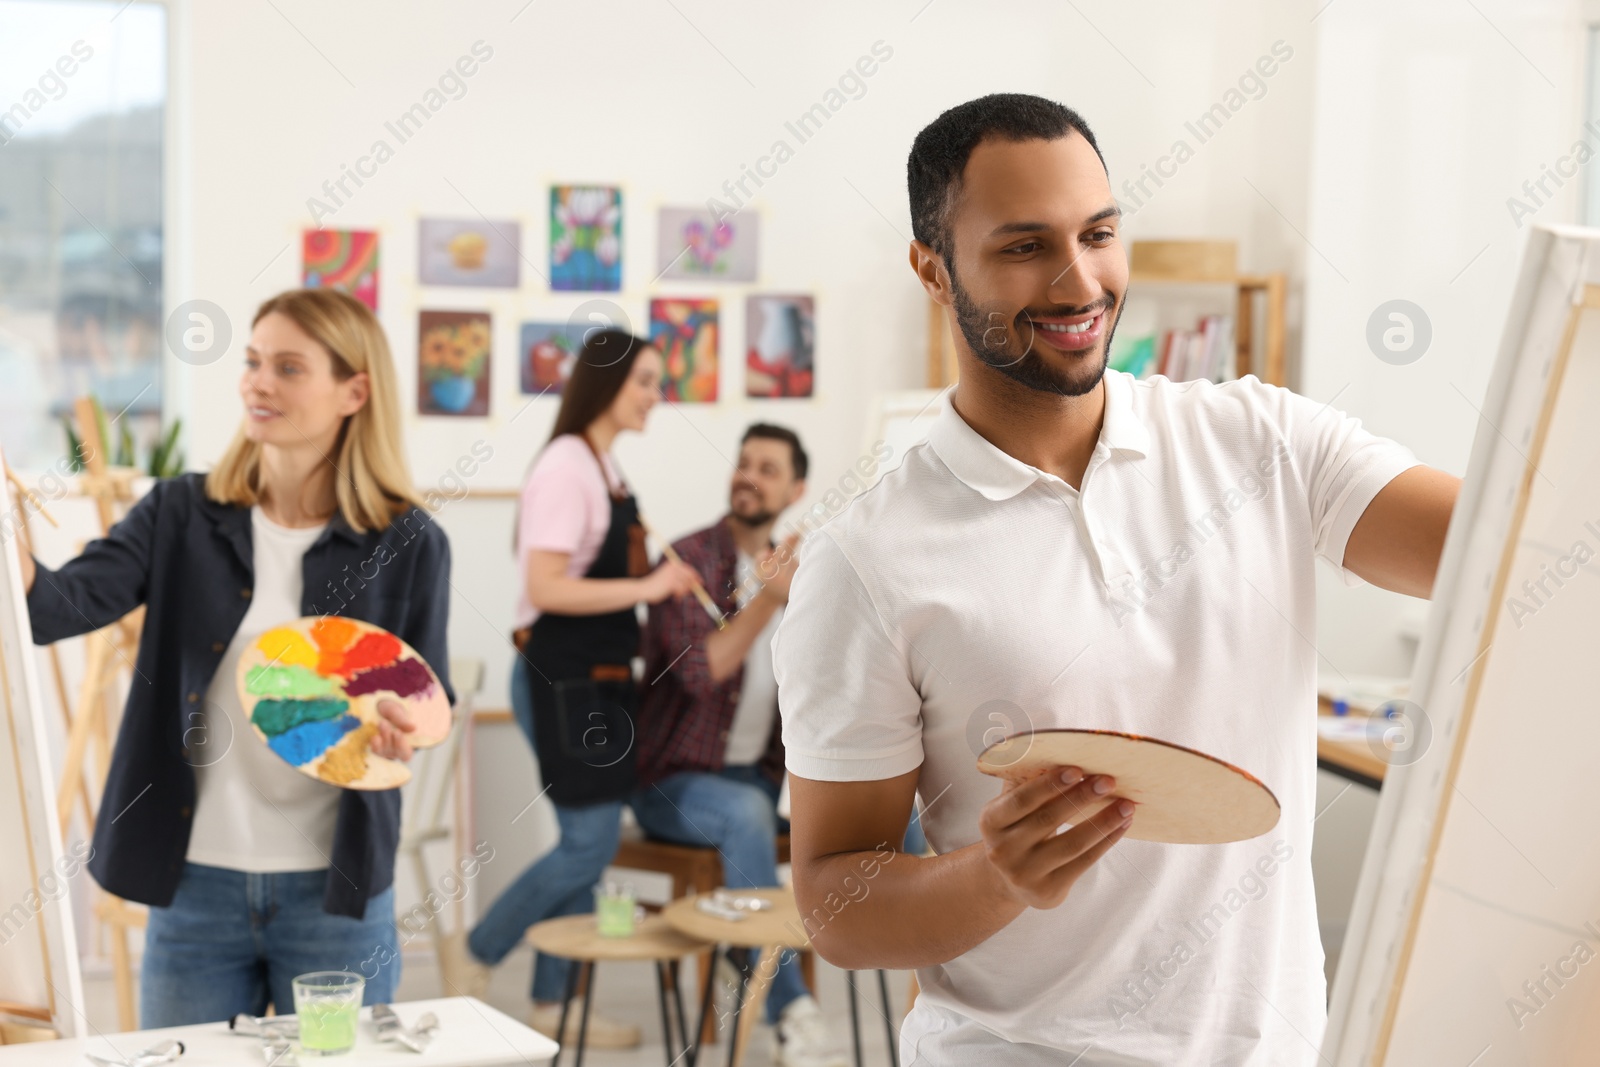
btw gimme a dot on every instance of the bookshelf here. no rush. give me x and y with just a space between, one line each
1158 264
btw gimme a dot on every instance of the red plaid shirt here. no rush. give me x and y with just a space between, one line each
684 716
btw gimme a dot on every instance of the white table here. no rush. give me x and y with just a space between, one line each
471 1034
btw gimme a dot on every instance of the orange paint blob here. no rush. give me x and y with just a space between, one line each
333 636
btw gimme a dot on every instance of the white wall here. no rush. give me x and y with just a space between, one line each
671 106
1427 118
1375 164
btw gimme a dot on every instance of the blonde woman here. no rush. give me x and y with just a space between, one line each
255 873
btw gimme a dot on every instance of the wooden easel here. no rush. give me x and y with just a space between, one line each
106 652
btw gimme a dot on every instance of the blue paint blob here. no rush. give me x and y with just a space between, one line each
309 740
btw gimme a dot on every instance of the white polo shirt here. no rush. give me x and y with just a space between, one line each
969 595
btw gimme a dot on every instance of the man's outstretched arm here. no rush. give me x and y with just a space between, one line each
1397 542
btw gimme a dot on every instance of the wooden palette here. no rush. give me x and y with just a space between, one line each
311 690
1183 796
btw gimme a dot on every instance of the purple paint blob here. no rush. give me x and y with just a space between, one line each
406 678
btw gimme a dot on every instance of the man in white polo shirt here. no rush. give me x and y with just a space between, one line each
1073 547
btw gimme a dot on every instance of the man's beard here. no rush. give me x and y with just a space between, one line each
1001 345
759 518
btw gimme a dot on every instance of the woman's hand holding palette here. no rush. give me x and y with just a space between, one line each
311 689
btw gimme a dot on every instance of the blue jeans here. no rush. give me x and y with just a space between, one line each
915 842
561 882
233 942
736 812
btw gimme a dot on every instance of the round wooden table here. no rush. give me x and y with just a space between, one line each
654 940
772 931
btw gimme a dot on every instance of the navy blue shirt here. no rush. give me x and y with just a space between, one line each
189 560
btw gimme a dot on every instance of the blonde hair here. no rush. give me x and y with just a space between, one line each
372 482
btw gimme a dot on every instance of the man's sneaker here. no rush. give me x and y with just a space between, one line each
462 973
603 1032
803 1039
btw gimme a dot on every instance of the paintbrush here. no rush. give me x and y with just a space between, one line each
700 593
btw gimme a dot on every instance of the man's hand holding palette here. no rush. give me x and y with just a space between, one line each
1181 796
312 688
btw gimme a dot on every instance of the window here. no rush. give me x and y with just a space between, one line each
83 88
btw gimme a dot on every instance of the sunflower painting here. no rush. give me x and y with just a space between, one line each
453 349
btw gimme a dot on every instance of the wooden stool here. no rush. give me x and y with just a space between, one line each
695 869
771 931
575 937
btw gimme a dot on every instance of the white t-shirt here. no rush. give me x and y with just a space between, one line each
566 507
758 697
969 594
253 811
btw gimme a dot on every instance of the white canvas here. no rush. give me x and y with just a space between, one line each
38 949
1475 935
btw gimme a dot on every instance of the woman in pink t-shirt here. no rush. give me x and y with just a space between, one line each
583 569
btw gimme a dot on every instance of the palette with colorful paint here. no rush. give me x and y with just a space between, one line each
311 689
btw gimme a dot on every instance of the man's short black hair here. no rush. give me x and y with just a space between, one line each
940 152
788 437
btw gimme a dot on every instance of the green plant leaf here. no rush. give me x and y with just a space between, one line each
165 452
74 446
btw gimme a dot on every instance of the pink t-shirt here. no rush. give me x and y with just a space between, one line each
566 507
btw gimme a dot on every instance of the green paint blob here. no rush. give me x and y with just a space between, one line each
276 716
289 681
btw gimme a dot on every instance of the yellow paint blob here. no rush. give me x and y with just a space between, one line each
286 647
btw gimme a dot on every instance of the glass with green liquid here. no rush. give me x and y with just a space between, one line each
614 909
328 1006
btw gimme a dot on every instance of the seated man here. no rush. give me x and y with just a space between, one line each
710 754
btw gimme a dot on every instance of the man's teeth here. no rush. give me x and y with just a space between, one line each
1061 328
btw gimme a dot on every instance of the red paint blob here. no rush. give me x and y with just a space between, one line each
373 650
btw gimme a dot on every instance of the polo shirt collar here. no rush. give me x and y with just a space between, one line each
1123 430
999 476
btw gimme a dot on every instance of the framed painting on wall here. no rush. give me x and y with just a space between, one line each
780 345
453 349
586 237
346 260
685 332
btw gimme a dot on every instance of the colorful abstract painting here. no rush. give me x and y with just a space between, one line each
586 237
685 332
545 355
341 259
311 690
453 350
691 245
486 253
780 345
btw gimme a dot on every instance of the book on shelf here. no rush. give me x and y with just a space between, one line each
1207 352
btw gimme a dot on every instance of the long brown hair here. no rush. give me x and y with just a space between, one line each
605 359
604 362
373 483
